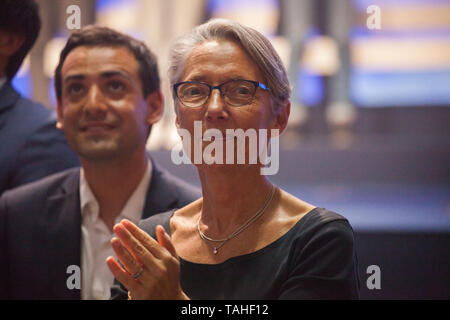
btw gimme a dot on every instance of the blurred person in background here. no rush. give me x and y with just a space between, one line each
245 238
31 147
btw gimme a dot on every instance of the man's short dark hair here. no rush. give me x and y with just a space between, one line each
96 36
20 17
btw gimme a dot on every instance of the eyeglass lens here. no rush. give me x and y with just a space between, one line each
236 92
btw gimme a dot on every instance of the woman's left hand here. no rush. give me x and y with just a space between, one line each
148 269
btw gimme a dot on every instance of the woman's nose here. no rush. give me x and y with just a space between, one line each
216 108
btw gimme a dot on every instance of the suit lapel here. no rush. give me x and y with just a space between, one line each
61 239
62 225
161 195
8 97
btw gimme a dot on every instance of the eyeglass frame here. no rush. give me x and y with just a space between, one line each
218 87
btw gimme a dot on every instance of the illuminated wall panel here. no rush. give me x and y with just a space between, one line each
407 61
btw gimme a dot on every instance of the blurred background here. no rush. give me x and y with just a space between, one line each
369 133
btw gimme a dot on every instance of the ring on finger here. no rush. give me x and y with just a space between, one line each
138 274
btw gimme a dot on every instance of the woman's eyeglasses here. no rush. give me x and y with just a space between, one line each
235 92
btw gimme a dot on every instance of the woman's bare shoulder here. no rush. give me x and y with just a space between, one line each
185 216
293 207
287 212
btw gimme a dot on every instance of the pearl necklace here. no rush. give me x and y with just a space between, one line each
240 229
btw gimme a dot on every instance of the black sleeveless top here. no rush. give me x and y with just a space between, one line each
315 259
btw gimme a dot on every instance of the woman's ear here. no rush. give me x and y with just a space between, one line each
155 107
281 116
177 122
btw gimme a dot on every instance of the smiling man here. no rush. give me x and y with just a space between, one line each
108 97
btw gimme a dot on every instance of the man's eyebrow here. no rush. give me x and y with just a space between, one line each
74 77
105 74
109 74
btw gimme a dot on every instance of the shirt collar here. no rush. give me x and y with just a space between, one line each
132 209
88 203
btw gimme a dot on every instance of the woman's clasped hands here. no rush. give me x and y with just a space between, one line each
147 268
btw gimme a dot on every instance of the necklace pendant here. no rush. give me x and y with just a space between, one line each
215 250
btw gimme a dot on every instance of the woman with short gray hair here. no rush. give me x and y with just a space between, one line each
245 238
254 43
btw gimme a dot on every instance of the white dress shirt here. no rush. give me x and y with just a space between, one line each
96 277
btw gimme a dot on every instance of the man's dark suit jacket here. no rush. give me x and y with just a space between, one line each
40 231
30 145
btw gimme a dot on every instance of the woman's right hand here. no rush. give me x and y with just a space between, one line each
151 269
